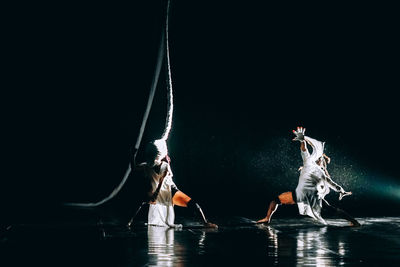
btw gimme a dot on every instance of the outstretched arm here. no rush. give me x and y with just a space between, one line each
303 146
333 185
337 187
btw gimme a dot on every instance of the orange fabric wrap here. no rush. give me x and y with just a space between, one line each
286 198
180 199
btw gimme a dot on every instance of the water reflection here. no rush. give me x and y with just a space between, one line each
286 244
161 246
311 248
202 239
172 247
306 247
272 244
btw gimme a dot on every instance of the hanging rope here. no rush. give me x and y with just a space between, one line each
162 50
168 123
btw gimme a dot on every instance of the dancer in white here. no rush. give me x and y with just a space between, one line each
314 183
164 194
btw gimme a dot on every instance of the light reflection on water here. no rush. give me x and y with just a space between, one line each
305 247
310 246
287 242
272 244
161 246
201 242
171 247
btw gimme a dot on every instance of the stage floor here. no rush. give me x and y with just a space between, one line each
286 242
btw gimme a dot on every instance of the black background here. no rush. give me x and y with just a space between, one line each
76 80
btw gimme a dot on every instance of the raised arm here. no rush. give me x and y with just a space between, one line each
303 146
333 185
299 136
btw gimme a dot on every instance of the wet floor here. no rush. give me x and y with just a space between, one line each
286 242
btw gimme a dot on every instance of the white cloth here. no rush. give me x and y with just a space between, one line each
314 182
317 149
162 212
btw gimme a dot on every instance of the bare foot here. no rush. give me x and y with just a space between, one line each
265 220
210 225
355 224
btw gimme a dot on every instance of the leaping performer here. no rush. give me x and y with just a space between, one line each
314 184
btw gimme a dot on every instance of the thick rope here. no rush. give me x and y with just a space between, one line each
168 123
156 76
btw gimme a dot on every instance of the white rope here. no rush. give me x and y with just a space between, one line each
161 52
168 122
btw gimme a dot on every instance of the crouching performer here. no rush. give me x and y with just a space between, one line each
164 194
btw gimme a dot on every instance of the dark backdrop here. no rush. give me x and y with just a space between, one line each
77 78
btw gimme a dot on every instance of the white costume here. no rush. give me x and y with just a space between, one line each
158 170
162 212
314 182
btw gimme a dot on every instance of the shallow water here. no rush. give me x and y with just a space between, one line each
286 242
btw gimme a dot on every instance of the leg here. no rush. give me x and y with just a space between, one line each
137 212
273 206
183 200
180 199
284 198
342 214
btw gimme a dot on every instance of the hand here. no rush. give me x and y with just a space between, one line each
167 159
343 194
328 159
299 134
152 200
